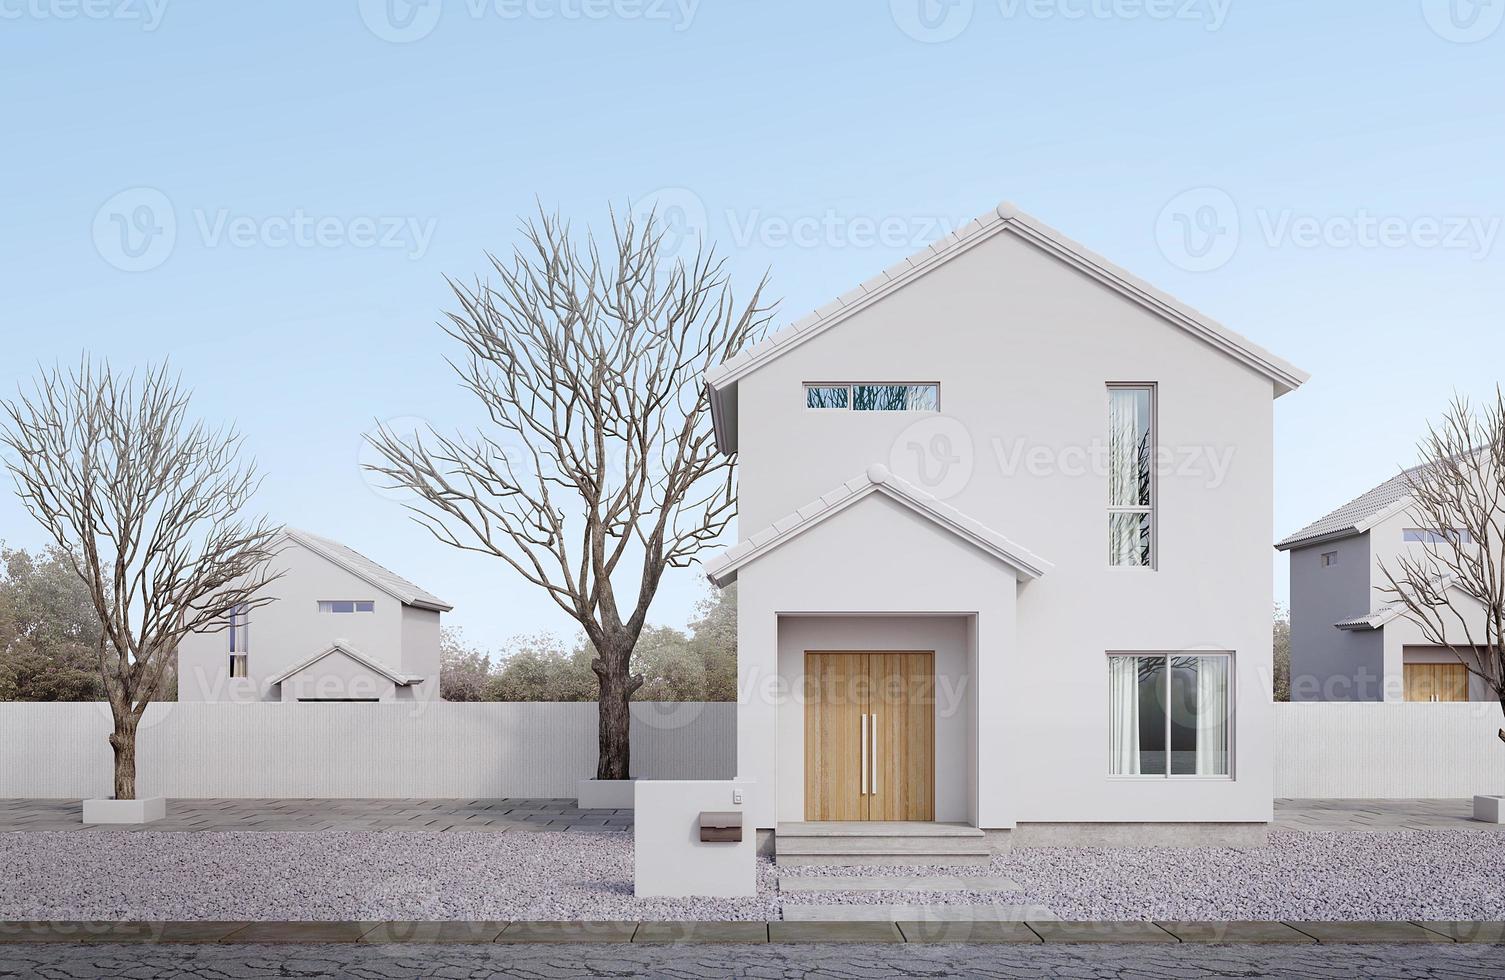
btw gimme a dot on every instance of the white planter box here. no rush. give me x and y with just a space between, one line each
1488 808
125 811
605 794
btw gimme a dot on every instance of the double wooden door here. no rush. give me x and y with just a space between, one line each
1436 682
869 735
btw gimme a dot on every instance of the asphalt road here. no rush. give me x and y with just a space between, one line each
775 962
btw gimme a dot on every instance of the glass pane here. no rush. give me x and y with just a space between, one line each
825 397
364 606
1129 450
924 398
1211 701
1152 715
1129 539
1183 716
1123 716
342 606
880 398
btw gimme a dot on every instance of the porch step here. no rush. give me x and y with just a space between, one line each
794 884
854 843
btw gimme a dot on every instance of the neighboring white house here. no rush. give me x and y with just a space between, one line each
341 628
1349 640
990 501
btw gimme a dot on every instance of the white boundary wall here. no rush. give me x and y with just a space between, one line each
435 750
1388 750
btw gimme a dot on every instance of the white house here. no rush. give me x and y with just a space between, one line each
340 628
999 506
1349 639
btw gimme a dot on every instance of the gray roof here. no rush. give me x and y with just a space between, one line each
359 565
343 646
1355 516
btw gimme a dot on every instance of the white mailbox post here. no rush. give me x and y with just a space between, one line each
682 839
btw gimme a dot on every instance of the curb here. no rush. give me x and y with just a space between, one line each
1052 932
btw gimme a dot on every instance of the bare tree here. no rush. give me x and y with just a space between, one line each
1453 586
147 506
598 470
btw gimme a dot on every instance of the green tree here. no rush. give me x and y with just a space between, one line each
464 671
48 629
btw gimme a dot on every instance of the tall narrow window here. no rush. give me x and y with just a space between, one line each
1131 475
1168 715
240 641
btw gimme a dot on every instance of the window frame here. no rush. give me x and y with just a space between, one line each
245 661
1437 536
1329 559
326 606
240 625
851 389
1229 718
1153 508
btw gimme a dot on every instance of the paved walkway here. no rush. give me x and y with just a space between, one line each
314 815
520 814
1377 815
847 962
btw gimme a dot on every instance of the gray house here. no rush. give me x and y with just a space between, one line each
1349 640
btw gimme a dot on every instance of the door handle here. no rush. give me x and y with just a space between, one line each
863 744
873 729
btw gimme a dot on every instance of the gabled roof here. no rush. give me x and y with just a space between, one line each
343 646
723 378
722 570
362 567
1365 511
1393 609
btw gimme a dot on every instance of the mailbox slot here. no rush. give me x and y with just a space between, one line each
721 827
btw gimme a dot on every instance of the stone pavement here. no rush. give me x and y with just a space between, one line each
317 815
848 962
1377 815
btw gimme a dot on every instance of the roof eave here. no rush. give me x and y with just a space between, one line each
1290 544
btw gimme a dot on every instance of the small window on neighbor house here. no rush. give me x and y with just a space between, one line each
1418 535
346 606
1329 558
240 629
875 397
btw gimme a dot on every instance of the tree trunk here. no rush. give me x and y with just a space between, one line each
123 741
615 725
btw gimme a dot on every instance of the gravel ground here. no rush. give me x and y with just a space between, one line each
340 875
1425 874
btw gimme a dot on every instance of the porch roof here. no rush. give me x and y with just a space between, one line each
723 569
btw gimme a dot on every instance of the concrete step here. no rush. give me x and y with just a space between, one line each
796 884
880 843
875 828
918 913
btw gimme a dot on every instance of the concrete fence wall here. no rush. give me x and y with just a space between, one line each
1380 750
443 750
308 751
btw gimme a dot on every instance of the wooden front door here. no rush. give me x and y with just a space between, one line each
1436 682
869 735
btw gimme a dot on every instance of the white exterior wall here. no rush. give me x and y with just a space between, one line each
420 650
290 630
1023 348
1386 544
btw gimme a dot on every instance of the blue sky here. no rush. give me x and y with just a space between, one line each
1325 178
